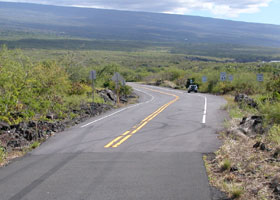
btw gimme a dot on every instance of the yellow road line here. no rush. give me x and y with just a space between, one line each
121 139
120 142
125 133
147 118
139 128
115 140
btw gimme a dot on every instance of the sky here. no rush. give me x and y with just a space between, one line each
260 11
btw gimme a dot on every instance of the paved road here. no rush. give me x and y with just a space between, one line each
149 151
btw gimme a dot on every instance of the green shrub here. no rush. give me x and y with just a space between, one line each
34 145
80 89
98 99
29 89
226 165
271 111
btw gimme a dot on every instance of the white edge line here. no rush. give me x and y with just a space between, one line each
122 109
205 109
205 112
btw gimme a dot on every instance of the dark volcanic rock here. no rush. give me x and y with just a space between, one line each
243 98
257 145
275 185
123 99
251 126
233 169
107 95
24 133
263 147
276 154
4 126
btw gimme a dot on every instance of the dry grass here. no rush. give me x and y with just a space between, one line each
253 172
11 156
240 170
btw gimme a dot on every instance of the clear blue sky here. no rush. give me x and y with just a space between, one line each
261 11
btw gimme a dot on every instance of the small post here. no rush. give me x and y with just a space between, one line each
92 77
92 91
118 95
117 78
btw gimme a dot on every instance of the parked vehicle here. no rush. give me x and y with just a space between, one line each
192 88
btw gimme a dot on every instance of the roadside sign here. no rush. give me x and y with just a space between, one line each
204 79
260 77
118 78
92 75
230 78
223 76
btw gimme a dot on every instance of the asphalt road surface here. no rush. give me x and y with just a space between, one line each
148 151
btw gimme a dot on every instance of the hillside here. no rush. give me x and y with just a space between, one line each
123 25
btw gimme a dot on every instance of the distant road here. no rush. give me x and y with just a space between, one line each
148 151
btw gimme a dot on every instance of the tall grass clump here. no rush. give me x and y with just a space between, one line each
2 154
226 165
274 134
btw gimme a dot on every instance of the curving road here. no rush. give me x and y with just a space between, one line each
148 151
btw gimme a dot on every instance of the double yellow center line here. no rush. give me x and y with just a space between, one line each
126 135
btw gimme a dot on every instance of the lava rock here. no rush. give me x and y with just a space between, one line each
243 98
107 95
275 185
123 99
4 126
277 190
233 169
24 133
32 124
263 147
276 153
257 145
251 126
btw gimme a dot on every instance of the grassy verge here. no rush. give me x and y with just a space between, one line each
6 157
242 169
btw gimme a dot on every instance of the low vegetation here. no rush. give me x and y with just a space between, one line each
29 90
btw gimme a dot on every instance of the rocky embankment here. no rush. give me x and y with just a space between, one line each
21 135
247 166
